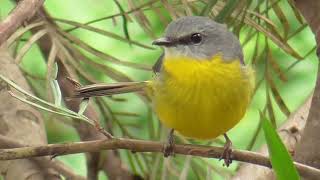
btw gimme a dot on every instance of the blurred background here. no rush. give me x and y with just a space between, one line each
114 39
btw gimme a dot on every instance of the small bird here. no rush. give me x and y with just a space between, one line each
201 87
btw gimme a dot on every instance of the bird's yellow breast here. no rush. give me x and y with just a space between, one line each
202 98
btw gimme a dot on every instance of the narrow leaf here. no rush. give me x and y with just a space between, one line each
149 3
83 105
103 32
281 160
20 32
124 20
28 45
170 8
296 11
18 88
275 38
276 67
101 54
270 109
56 92
207 9
186 7
283 19
226 11
142 19
283 107
44 108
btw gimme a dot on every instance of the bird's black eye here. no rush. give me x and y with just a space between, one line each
196 38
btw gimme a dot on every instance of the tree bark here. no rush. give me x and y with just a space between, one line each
308 149
20 122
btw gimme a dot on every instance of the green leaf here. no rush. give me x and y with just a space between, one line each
280 158
55 70
124 19
83 105
56 92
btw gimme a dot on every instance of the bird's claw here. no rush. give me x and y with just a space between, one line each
227 152
168 149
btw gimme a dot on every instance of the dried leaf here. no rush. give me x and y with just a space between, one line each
162 18
110 72
25 48
302 27
226 11
103 55
52 72
116 15
20 32
283 19
262 17
65 56
186 7
280 42
103 32
208 8
171 10
296 12
283 107
142 19
275 66
256 50
270 108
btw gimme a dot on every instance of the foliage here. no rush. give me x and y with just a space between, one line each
107 41
280 158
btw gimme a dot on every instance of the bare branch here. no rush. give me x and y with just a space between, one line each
143 146
6 142
23 12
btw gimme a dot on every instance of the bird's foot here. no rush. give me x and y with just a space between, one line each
168 149
227 152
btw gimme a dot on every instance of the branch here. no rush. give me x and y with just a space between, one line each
143 146
6 142
22 12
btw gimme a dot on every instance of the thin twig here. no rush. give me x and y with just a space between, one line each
143 146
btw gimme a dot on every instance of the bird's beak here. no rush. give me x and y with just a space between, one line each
164 41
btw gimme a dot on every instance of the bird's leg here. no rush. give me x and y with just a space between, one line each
227 152
169 146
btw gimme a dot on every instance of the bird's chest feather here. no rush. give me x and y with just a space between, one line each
190 94
202 83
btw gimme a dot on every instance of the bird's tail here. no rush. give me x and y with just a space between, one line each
108 89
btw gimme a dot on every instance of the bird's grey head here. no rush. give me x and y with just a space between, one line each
200 38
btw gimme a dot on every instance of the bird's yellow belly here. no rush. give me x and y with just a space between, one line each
202 99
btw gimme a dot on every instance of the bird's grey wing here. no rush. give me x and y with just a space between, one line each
157 66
